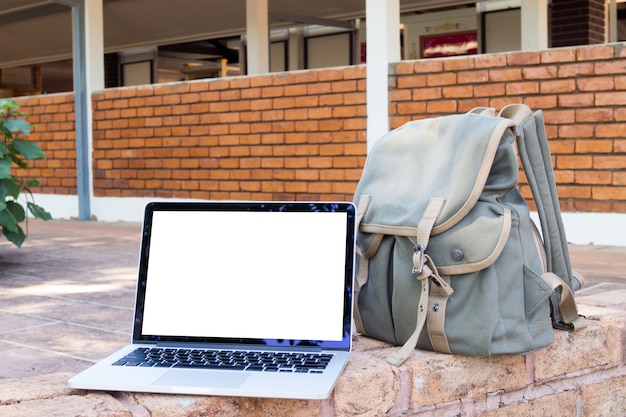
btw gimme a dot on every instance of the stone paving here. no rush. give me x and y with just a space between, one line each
67 297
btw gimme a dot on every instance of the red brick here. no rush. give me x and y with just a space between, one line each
333 74
593 177
403 68
428 66
609 193
293 114
490 61
272 115
441 79
595 52
467 77
467 105
411 108
574 192
558 86
458 92
424 94
283 103
459 63
576 100
563 177
489 90
619 178
344 86
594 146
295 90
441 107
595 84
505 74
558 116
319 88
539 73
522 88
619 146
575 70
411 81
594 115
558 55
609 162
319 113
574 162
577 132
617 98
615 130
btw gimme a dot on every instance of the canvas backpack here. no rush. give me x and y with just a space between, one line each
448 256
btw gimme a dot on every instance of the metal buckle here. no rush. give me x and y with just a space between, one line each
420 255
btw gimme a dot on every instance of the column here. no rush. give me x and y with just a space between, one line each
88 54
383 46
534 25
258 37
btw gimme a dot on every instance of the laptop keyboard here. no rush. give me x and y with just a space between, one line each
260 361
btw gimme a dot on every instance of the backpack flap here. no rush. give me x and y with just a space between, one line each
412 165
473 244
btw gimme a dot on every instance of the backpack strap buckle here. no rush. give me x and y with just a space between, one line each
419 259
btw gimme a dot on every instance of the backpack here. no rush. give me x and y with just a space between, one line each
448 257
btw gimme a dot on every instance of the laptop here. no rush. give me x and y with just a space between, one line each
238 298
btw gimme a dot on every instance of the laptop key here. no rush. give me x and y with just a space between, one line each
207 366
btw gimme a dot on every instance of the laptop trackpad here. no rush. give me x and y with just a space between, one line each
180 378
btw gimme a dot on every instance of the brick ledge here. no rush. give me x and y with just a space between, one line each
580 374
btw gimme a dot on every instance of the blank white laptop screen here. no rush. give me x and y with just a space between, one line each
246 275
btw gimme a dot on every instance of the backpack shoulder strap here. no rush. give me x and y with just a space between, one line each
534 152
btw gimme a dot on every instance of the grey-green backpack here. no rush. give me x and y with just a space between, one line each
448 256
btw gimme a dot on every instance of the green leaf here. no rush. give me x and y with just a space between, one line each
7 221
16 210
30 150
17 125
8 104
9 188
18 161
38 211
5 167
17 237
33 183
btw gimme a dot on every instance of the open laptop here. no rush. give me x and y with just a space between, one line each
238 298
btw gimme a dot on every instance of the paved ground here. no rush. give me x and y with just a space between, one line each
67 296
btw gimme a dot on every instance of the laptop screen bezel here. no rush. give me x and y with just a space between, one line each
342 207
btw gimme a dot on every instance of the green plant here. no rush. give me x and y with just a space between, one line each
16 151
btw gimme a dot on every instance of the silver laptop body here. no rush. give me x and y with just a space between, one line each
238 298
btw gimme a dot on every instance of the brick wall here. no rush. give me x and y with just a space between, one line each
54 130
578 22
301 135
296 135
582 92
